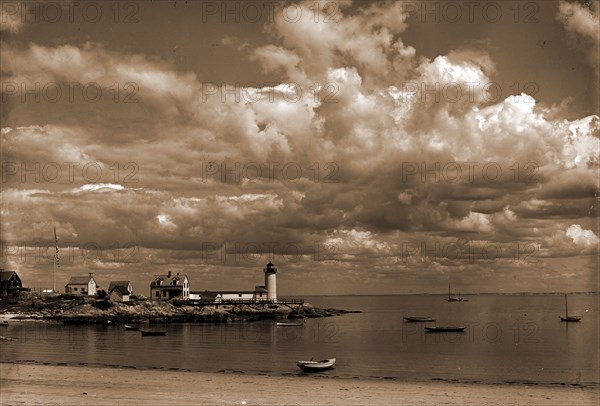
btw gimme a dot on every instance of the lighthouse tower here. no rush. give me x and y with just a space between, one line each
271 281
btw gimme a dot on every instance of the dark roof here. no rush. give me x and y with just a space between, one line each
166 279
207 294
80 280
7 275
121 286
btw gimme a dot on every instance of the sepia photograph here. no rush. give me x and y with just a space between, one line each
299 202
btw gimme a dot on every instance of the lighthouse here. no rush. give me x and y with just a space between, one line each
271 281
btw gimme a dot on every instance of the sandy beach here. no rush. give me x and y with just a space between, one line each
25 384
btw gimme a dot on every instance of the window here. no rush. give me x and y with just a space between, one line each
75 289
240 295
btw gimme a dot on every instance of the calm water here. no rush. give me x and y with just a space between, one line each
508 338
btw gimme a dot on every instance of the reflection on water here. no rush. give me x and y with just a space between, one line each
508 338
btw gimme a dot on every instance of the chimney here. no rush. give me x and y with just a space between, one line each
169 274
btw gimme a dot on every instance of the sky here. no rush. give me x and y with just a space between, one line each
363 147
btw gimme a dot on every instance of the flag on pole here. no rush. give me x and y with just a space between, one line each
57 252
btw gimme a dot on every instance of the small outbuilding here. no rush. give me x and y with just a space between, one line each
82 285
120 291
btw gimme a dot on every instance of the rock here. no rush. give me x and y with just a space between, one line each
91 310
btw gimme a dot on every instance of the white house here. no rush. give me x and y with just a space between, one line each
170 286
120 291
82 285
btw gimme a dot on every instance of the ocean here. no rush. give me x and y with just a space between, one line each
508 339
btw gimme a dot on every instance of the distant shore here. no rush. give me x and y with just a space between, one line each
35 384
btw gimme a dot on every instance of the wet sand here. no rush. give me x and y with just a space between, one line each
26 384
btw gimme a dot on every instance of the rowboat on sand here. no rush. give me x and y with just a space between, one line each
315 366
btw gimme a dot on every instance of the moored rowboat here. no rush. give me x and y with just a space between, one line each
153 333
417 319
441 329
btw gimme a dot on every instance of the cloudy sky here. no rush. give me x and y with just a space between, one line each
364 147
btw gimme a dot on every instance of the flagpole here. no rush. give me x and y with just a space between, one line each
55 254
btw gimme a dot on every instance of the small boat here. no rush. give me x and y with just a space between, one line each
418 319
153 333
566 316
315 366
444 329
131 327
289 324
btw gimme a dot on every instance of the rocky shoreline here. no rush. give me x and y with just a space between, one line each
83 310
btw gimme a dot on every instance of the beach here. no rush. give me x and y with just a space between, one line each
26 384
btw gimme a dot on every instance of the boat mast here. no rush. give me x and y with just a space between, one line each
448 291
566 307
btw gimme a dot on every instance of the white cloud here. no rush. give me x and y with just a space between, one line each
583 21
101 186
580 19
477 222
585 238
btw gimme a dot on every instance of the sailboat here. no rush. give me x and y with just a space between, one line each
567 317
454 298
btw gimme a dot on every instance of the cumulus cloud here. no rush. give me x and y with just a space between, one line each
581 19
584 22
380 147
581 237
